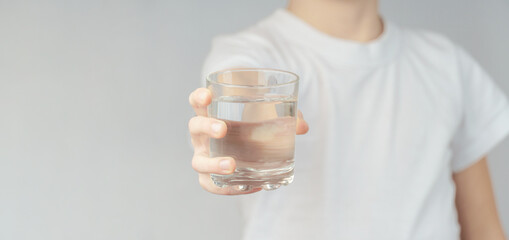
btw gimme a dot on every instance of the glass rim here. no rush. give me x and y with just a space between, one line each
295 80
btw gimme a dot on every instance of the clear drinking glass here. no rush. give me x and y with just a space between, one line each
258 107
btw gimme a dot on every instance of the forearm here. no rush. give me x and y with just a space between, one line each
477 213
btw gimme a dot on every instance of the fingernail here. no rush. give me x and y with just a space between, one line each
216 127
225 164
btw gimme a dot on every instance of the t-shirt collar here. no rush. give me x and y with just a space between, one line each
382 49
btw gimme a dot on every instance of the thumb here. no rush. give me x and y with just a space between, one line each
302 126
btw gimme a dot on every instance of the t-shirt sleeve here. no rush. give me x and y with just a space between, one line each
236 52
485 114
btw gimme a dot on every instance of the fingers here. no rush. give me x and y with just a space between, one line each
219 165
302 126
209 186
199 100
211 127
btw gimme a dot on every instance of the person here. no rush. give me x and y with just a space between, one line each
401 121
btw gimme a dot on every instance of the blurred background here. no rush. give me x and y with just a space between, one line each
94 111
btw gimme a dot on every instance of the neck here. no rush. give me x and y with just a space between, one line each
356 20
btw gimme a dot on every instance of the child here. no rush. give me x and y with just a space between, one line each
401 121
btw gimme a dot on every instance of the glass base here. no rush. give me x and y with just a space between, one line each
245 179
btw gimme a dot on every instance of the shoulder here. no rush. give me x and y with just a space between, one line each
254 46
440 49
424 36
254 37
429 43
437 60
436 51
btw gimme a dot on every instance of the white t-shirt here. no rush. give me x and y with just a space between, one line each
390 121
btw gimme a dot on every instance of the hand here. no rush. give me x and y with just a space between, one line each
201 129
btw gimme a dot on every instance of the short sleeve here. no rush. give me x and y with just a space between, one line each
485 114
234 51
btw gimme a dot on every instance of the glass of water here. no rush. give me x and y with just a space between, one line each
259 108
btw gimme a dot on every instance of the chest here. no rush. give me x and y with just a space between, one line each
403 99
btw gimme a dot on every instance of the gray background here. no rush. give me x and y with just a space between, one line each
93 110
